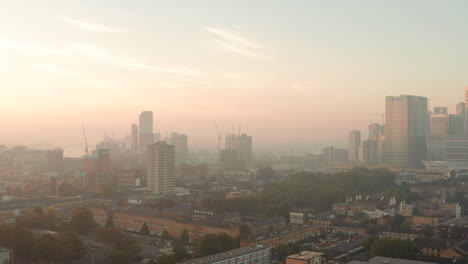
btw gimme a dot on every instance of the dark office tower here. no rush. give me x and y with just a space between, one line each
180 143
354 145
134 146
54 161
440 110
146 132
405 131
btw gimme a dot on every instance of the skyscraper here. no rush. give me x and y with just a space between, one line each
405 130
372 148
146 132
134 146
354 145
243 145
457 121
440 122
180 143
160 167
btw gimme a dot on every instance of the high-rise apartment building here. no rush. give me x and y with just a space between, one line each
146 132
180 143
134 144
354 145
405 130
243 145
372 148
160 167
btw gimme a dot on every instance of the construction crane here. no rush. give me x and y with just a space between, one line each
219 136
382 115
85 140
239 129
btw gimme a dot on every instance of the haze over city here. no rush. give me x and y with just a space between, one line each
288 71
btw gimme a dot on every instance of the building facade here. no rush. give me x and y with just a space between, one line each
405 131
160 167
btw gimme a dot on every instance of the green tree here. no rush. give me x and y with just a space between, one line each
427 231
184 237
244 231
82 221
144 230
282 251
22 241
46 249
166 259
70 247
393 248
180 252
165 235
127 251
214 243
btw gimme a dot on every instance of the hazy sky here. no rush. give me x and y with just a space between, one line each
289 70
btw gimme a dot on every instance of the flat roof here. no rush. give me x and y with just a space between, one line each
305 255
226 255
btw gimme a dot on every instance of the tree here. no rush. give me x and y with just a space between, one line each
184 237
244 231
166 259
393 248
214 243
82 221
144 230
46 249
282 251
427 231
70 247
180 253
22 241
165 235
208 245
127 251
226 241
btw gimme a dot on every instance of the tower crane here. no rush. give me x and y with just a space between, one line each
85 140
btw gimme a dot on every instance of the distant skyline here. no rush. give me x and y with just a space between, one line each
288 71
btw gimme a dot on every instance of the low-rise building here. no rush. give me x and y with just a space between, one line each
6 256
283 237
305 257
247 255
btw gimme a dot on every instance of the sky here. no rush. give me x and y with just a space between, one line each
287 71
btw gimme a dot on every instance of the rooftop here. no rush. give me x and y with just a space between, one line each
226 255
305 255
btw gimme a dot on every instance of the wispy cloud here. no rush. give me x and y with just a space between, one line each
96 54
32 48
89 26
54 69
234 43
